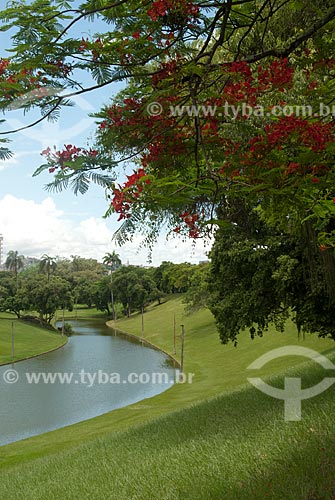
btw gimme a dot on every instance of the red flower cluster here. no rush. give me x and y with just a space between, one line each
123 116
296 168
293 168
166 147
4 63
168 138
161 8
278 74
69 154
60 67
318 135
96 46
315 135
241 67
163 135
83 44
192 222
24 81
328 62
166 70
115 118
16 84
290 130
127 194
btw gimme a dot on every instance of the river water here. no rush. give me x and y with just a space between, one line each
100 363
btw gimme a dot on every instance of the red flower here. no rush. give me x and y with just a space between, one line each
46 152
83 45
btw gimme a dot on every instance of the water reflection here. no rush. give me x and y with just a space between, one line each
28 409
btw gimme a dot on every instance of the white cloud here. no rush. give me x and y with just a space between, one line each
172 249
8 163
36 228
71 124
14 160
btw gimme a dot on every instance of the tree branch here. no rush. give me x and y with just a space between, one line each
285 52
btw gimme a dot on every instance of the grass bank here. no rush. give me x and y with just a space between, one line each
29 339
215 439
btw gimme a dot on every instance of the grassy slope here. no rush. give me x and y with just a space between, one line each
235 445
30 339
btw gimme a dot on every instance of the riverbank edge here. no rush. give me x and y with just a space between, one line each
36 355
116 421
141 340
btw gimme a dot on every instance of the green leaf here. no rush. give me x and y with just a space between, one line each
41 169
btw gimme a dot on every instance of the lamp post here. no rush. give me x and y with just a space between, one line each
174 334
112 297
13 346
142 311
63 320
182 349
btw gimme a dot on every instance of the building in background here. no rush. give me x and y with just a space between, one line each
30 261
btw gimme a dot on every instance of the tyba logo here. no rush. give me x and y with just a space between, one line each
292 394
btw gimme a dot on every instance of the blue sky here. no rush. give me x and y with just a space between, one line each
34 221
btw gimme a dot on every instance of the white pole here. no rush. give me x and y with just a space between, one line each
13 353
63 323
174 334
182 349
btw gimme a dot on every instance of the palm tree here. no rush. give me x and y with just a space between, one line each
14 263
48 265
113 262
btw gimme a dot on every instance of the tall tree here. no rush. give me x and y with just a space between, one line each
14 262
46 297
48 265
113 262
13 298
261 276
134 288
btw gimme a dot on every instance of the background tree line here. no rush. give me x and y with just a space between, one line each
55 283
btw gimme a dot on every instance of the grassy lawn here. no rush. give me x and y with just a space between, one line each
29 339
215 439
82 312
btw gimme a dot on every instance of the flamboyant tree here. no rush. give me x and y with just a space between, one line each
200 115
223 102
